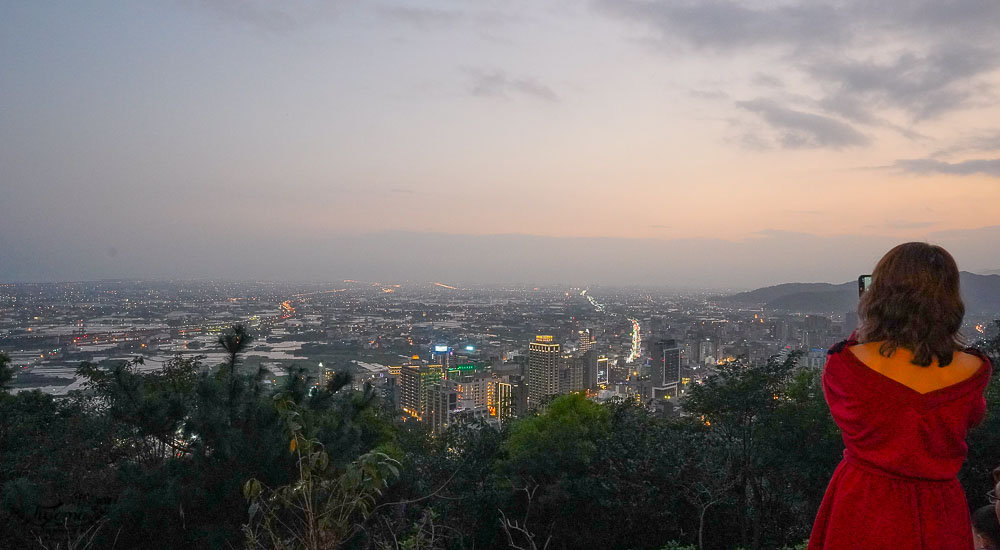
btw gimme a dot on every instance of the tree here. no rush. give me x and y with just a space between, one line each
984 440
707 478
325 505
235 341
762 413
555 451
6 372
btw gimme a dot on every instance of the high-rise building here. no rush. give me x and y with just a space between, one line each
706 351
586 340
543 370
603 374
665 364
443 399
474 390
415 385
571 375
590 376
502 405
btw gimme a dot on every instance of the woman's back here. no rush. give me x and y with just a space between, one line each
907 422
904 436
899 367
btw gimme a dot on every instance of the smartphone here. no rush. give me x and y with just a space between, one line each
864 282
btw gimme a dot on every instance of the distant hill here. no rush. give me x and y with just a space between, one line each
980 292
767 294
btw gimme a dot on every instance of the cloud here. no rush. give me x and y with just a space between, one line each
852 107
499 84
767 81
927 166
284 16
709 94
433 19
924 85
802 130
726 25
887 64
423 18
977 142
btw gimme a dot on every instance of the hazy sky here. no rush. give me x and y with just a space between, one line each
674 142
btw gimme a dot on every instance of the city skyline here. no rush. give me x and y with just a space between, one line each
710 144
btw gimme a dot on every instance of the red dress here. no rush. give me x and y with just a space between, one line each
896 486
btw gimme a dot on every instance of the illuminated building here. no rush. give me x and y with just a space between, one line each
474 390
586 340
442 400
455 372
543 370
665 369
665 363
450 402
618 372
442 355
415 385
603 374
571 375
502 405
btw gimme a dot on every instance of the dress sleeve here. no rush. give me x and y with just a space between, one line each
978 409
835 391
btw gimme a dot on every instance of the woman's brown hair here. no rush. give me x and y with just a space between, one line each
914 303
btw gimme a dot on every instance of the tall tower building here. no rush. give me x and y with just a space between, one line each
442 401
543 370
603 374
502 405
571 375
415 385
590 375
665 366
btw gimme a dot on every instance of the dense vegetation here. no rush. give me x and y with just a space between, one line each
196 457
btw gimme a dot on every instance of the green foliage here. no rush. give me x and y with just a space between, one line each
565 434
984 439
322 507
53 468
762 413
6 372
159 459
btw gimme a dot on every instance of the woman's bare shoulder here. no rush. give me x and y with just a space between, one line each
966 361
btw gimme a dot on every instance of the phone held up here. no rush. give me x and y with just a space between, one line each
864 282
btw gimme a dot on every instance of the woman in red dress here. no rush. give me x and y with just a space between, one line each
904 394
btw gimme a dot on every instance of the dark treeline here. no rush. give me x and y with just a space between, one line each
197 457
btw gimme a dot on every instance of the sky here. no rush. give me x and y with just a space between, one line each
676 143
